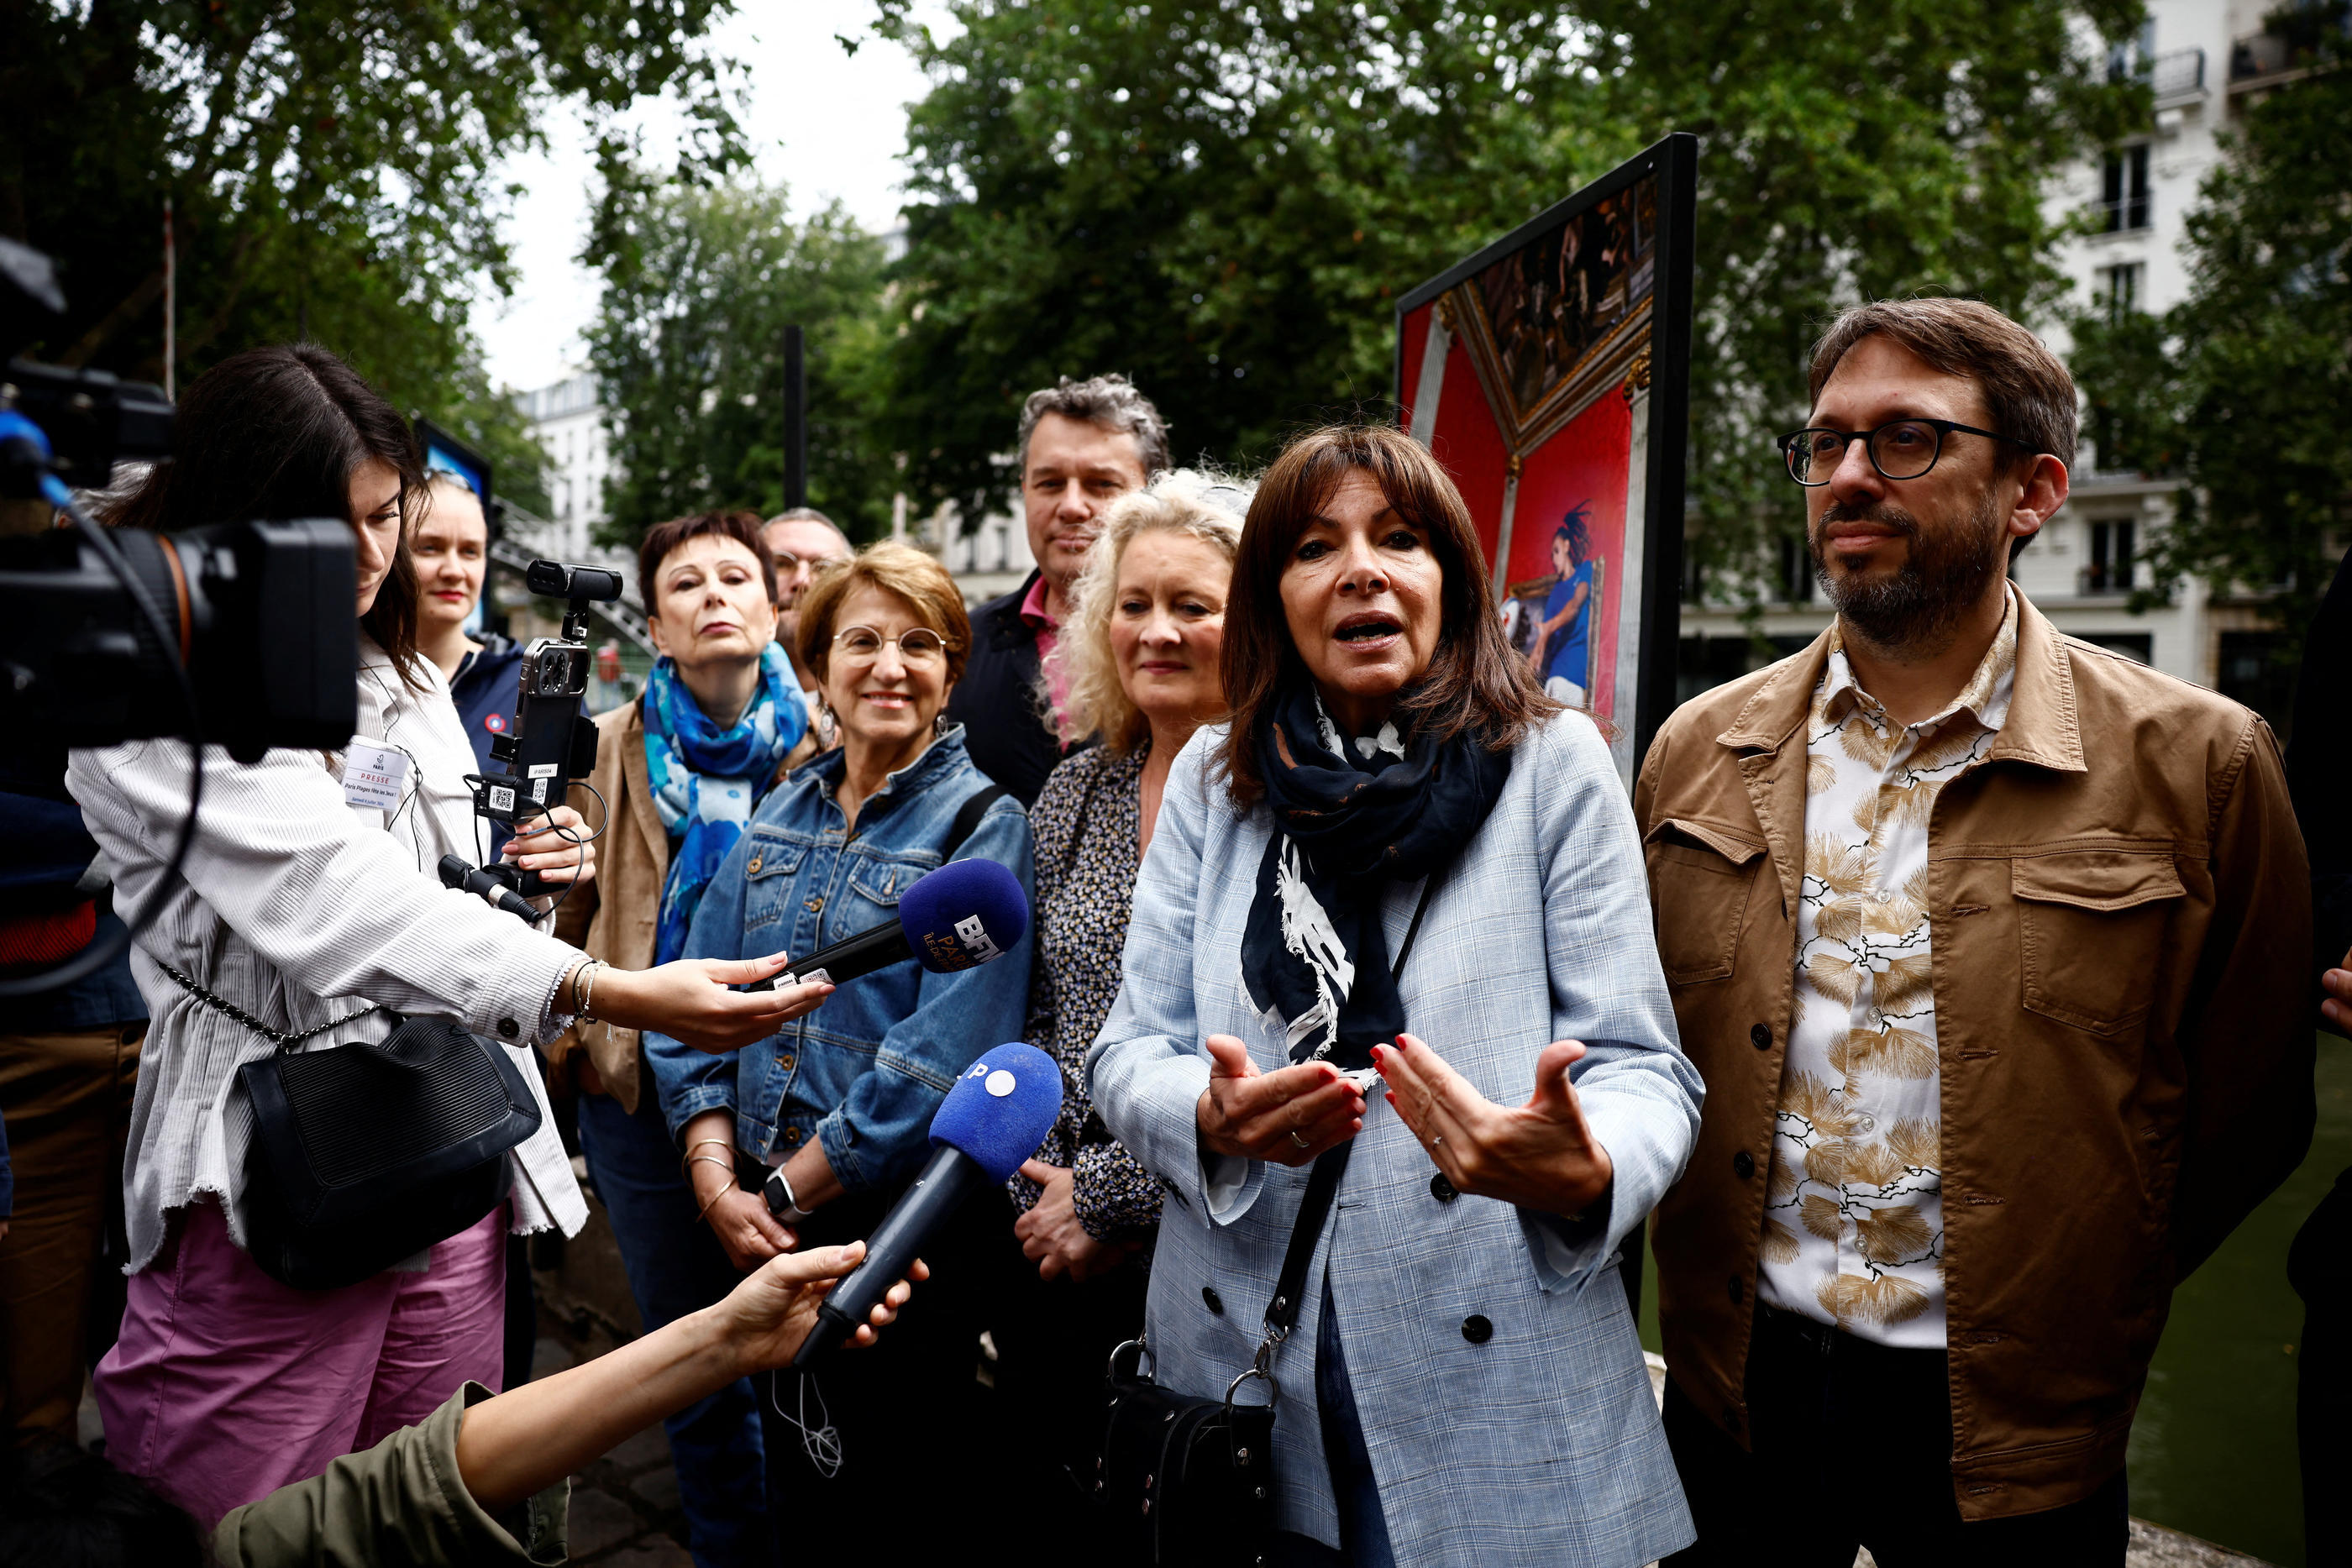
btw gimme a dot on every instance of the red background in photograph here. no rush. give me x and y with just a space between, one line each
1587 461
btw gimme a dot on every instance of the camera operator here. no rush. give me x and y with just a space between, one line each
69 1060
308 894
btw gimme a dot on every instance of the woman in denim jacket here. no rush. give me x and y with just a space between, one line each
841 1101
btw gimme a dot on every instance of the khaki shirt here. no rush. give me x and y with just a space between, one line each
2124 1032
400 1504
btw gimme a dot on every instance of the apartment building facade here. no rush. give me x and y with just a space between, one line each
568 421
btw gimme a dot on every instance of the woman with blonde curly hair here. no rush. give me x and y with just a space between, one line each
1138 661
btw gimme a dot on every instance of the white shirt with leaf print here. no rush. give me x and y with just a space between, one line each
1853 1227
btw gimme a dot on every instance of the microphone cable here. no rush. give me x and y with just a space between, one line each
562 831
823 1445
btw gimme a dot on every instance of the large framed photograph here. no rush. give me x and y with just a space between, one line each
1550 374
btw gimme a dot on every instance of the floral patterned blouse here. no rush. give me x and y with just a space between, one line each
1853 1227
1087 820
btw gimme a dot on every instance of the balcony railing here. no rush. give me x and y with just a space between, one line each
2260 55
2179 75
2293 42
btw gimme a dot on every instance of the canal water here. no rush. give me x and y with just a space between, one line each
2213 1450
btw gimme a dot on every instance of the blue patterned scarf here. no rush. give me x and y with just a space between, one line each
706 780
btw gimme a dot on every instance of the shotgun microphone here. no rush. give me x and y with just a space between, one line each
994 1118
965 912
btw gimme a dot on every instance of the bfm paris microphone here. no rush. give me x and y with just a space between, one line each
994 1118
965 912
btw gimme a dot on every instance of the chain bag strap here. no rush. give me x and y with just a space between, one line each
369 1151
1187 1481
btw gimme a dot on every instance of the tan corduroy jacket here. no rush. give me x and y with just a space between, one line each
2121 929
615 916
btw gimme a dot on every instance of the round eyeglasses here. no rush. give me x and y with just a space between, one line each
1899 449
919 645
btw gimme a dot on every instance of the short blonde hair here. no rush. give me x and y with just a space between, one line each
902 570
1206 507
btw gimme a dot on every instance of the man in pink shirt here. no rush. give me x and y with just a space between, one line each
1083 446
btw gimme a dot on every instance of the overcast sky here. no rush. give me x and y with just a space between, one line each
825 122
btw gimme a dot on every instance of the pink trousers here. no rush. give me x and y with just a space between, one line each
227 1384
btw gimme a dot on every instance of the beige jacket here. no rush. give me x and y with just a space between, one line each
613 917
2122 926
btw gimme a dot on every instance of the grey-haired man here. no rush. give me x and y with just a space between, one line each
1083 446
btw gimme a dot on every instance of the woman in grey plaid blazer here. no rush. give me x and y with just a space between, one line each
1464 1384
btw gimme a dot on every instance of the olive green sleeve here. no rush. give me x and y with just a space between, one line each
399 1505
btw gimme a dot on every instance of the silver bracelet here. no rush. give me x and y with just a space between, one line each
586 999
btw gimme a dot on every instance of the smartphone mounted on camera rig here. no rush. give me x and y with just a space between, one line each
550 742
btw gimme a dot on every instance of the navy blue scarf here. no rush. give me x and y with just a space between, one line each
1350 818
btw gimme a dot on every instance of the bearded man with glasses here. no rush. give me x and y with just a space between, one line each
1990 943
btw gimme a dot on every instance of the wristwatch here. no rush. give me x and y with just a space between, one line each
781 1201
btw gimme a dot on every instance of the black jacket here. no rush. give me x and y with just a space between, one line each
485 691
996 701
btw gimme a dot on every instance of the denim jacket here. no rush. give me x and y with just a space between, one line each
862 1073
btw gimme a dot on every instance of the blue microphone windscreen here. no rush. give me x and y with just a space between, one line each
965 912
1002 1108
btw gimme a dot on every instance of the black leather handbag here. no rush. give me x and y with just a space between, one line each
1187 1481
368 1153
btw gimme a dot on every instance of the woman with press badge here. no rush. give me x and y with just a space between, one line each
336 1118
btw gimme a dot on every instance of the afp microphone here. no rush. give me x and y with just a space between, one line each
994 1118
965 912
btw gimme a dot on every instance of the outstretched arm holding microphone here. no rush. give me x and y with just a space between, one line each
307 916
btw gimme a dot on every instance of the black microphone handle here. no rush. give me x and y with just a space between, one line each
457 873
920 1215
851 956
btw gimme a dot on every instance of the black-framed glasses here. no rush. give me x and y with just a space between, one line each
1899 449
919 645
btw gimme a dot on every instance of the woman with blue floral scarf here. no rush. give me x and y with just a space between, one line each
681 771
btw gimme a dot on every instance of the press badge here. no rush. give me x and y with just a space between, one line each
373 775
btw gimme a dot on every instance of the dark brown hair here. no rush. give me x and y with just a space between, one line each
912 575
743 528
2026 389
276 434
1473 683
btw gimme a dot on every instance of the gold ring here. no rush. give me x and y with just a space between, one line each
1299 1141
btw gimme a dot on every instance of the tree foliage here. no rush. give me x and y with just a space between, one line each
1220 199
332 167
2244 389
699 283
1849 155
1223 197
